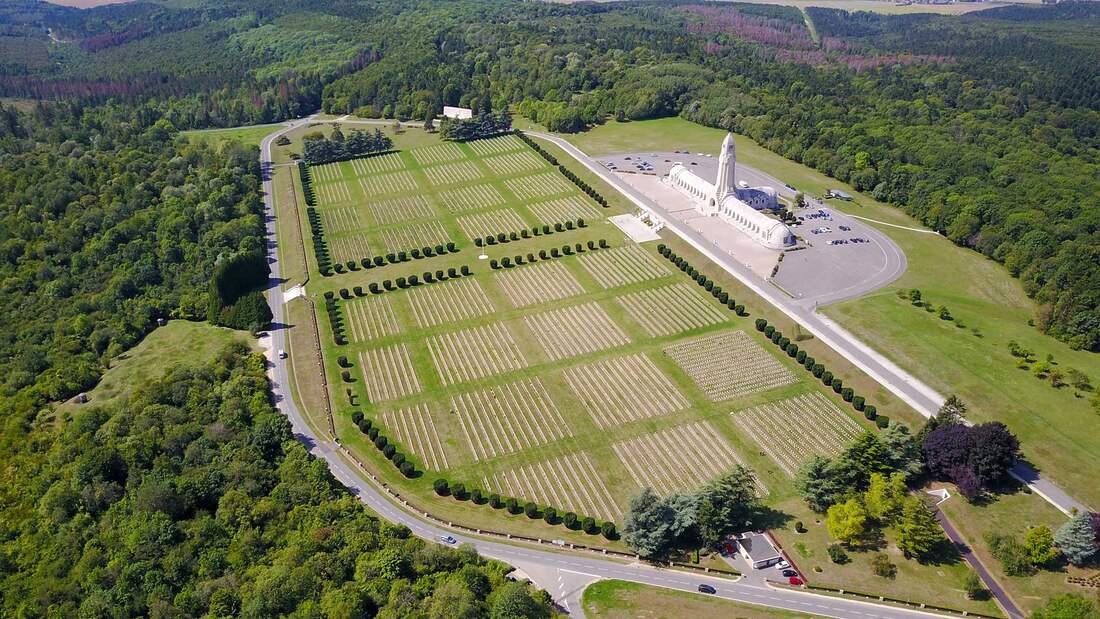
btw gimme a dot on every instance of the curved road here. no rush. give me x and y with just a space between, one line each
562 573
911 390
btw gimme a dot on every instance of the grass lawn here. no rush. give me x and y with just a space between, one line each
179 342
938 581
503 428
1014 512
1059 431
251 134
614 599
293 261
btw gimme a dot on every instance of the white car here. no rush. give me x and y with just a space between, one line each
782 565
282 354
447 539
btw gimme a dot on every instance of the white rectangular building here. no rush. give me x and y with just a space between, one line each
457 112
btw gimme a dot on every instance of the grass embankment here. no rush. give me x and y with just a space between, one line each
177 343
1059 431
615 599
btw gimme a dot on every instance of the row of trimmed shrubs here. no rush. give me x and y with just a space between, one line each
532 510
394 257
388 449
552 160
826 377
307 183
335 319
508 262
705 282
399 283
784 343
547 229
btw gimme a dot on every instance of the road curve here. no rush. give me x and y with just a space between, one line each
529 556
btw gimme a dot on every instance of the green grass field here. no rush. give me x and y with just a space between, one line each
251 134
616 599
1059 432
1013 513
177 343
549 381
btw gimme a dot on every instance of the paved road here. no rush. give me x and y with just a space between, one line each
995 588
908 388
543 566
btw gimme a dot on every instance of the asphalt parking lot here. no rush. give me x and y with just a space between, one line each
829 264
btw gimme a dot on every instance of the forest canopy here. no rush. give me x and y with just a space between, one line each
192 498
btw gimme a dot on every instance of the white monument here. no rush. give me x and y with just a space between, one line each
736 204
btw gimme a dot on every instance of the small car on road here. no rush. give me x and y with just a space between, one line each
282 354
707 589
448 539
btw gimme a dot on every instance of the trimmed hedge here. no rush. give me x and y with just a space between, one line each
785 344
507 262
583 186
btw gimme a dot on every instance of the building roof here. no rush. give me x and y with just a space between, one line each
457 112
759 547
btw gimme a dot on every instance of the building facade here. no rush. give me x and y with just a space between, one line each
737 204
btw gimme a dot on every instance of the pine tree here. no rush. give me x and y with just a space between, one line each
918 530
1076 539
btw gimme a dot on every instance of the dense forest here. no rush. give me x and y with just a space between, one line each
108 221
192 498
986 127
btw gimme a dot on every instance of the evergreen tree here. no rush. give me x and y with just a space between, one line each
1076 539
918 530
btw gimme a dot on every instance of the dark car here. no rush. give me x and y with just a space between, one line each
789 573
707 589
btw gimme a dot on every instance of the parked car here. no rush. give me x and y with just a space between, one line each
789 573
782 565
728 547
846 228
707 589
448 539
795 580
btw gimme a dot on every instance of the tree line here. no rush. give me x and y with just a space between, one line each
317 149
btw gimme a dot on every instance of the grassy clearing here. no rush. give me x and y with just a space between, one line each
615 599
177 343
1060 434
252 134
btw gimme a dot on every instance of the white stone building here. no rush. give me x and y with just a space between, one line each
458 113
738 205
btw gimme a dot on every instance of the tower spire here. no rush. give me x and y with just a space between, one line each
726 183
